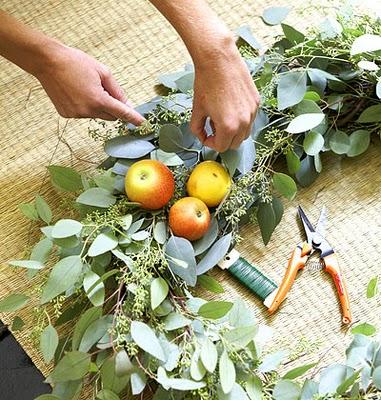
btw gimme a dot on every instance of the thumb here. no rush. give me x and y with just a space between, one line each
197 124
122 111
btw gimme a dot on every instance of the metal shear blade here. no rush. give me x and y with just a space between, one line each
314 235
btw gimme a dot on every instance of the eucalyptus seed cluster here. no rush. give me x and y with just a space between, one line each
235 206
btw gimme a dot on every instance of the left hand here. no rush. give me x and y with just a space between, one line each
225 92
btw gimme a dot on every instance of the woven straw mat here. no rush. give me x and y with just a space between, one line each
135 41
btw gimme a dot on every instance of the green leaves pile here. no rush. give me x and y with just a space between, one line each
119 285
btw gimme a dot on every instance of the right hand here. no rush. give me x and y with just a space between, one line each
81 87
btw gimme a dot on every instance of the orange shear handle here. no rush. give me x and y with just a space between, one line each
332 267
297 262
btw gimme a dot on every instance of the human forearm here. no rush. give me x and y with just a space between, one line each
223 88
24 46
78 85
206 37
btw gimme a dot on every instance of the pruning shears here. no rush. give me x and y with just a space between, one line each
328 259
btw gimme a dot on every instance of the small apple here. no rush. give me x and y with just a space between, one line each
150 183
209 182
189 218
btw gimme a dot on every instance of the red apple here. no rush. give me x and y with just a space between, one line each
189 218
150 183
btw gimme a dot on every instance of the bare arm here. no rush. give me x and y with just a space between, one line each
77 84
223 90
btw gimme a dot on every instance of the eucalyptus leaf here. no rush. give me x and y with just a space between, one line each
237 393
254 387
231 160
247 154
370 114
169 80
185 82
305 122
372 288
13 302
215 309
86 319
240 315
366 43
348 383
160 232
42 250
339 142
209 355
43 209
226 372
215 254
364 329
332 377
272 361
275 15
159 291
293 162
138 382
97 294
266 220
63 276
65 178
241 336
65 228
291 89
96 197
175 321
29 264
298 371
285 185
170 138
210 284
103 243
313 143
244 32
106 394
47 397
48 343
123 364
358 142
94 332
181 249
307 173
169 159
74 365
378 89
309 390
208 239
105 181
286 390
146 339
197 369
110 379
29 210
292 35
128 146
377 378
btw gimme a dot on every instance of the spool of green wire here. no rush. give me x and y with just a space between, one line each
252 278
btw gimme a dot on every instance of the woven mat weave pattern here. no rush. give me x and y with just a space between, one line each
135 41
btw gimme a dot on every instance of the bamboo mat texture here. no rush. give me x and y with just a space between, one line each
136 42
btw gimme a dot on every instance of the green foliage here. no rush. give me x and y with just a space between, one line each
124 283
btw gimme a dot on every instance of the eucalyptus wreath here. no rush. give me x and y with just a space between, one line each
120 287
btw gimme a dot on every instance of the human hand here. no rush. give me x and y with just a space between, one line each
225 92
81 87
